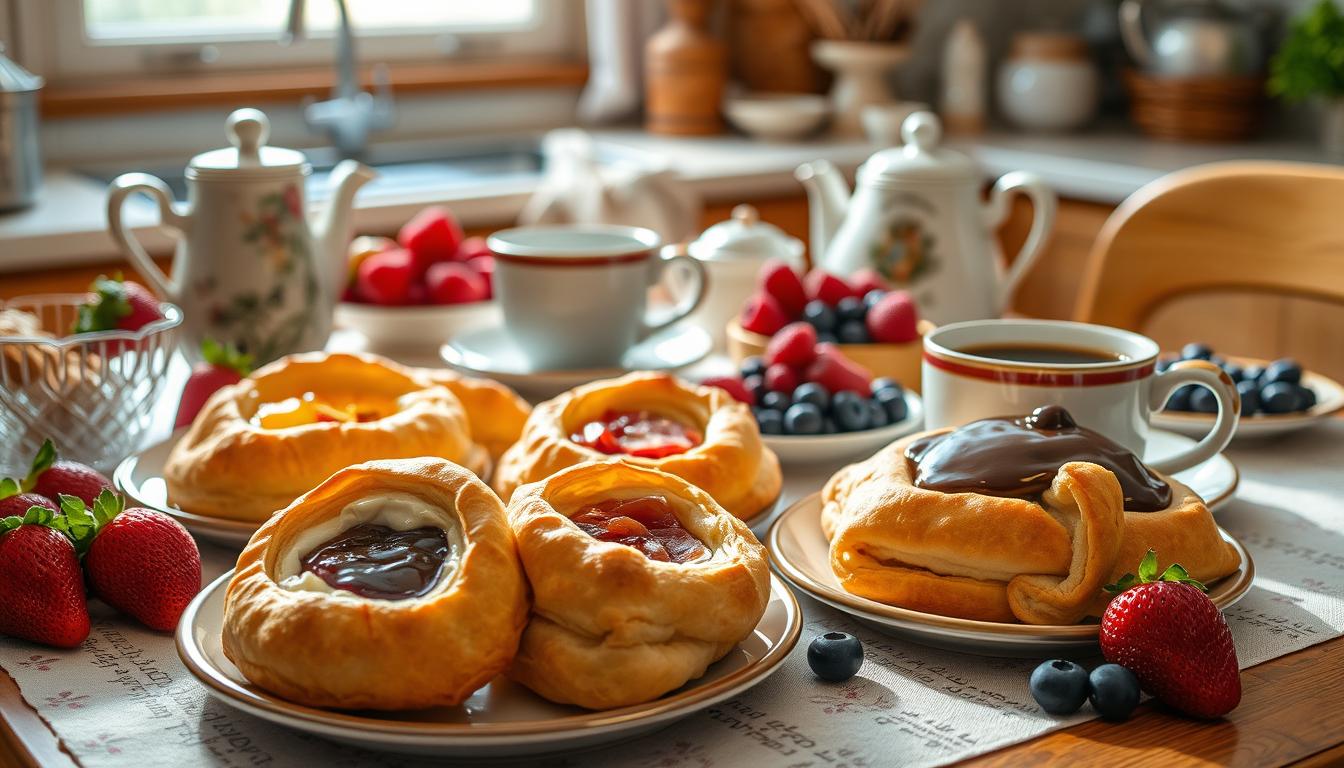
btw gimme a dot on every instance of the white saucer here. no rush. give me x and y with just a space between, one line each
1214 480
490 352
830 449
799 551
502 719
140 479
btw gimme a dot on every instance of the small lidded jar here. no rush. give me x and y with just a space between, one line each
1048 82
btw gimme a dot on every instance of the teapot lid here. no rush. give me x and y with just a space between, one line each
920 159
249 157
744 235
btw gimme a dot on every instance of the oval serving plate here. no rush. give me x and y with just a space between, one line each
501 719
820 449
1329 400
800 552
140 478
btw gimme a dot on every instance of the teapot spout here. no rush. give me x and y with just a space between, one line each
827 200
331 230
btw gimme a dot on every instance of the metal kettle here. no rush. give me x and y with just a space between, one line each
20 156
1193 38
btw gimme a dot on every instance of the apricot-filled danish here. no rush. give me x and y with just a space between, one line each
258 444
1010 519
393 585
653 420
640 581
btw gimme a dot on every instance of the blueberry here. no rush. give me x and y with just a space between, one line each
811 392
1252 373
1180 399
776 401
1203 401
872 297
885 382
853 332
1306 398
1059 686
850 308
1164 362
753 366
1250 397
802 419
828 426
826 337
835 656
1196 351
770 421
756 386
1115 691
820 315
877 415
849 411
894 402
1285 370
1280 397
1233 372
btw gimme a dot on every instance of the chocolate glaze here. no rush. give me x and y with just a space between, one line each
1019 457
377 562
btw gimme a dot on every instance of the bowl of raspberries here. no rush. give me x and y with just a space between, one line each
862 316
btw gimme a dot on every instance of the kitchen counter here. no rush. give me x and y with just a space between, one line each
68 226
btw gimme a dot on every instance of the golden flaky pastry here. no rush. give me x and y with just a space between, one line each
730 463
258 444
610 626
290 632
995 558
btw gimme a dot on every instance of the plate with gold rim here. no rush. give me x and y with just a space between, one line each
502 719
800 552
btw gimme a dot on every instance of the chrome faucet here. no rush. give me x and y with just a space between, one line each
351 114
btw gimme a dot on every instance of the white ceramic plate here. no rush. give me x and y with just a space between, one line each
823 449
1215 480
490 352
1329 400
140 479
400 328
501 719
800 552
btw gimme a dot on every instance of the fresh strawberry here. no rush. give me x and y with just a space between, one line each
50 477
223 365
893 319
143 563
1165 630
732 386
781 378
484 265
16 504
794 345
825 287
763 315
472 248
115 304
432 235
454 283
41 587
868 279
837 373
778 279
385 278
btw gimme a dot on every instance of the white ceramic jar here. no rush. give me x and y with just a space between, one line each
1048 82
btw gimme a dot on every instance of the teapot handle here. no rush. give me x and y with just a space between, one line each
123 187
1044 203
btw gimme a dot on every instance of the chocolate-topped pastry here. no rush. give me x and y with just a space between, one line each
1019 457
377 562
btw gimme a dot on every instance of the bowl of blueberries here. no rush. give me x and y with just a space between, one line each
1276 396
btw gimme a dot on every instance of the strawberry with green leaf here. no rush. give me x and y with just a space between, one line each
51 476
116 304
1164 629
223 365
41 586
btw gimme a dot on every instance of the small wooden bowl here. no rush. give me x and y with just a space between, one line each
898 361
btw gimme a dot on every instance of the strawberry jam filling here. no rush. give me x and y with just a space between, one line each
377 562
646 523
637 433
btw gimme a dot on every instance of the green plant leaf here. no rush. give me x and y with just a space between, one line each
1310 62
9 487
105 309
46 456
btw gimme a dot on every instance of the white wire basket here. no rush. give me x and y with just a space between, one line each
93 394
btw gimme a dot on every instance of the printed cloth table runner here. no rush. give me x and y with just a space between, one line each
124 698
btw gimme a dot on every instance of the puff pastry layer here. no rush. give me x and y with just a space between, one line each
609 626
731 463
230 467
338 649
992 558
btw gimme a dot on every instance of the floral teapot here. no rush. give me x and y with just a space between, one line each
916 217
249 268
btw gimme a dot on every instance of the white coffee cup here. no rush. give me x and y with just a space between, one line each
1115 397
576 296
